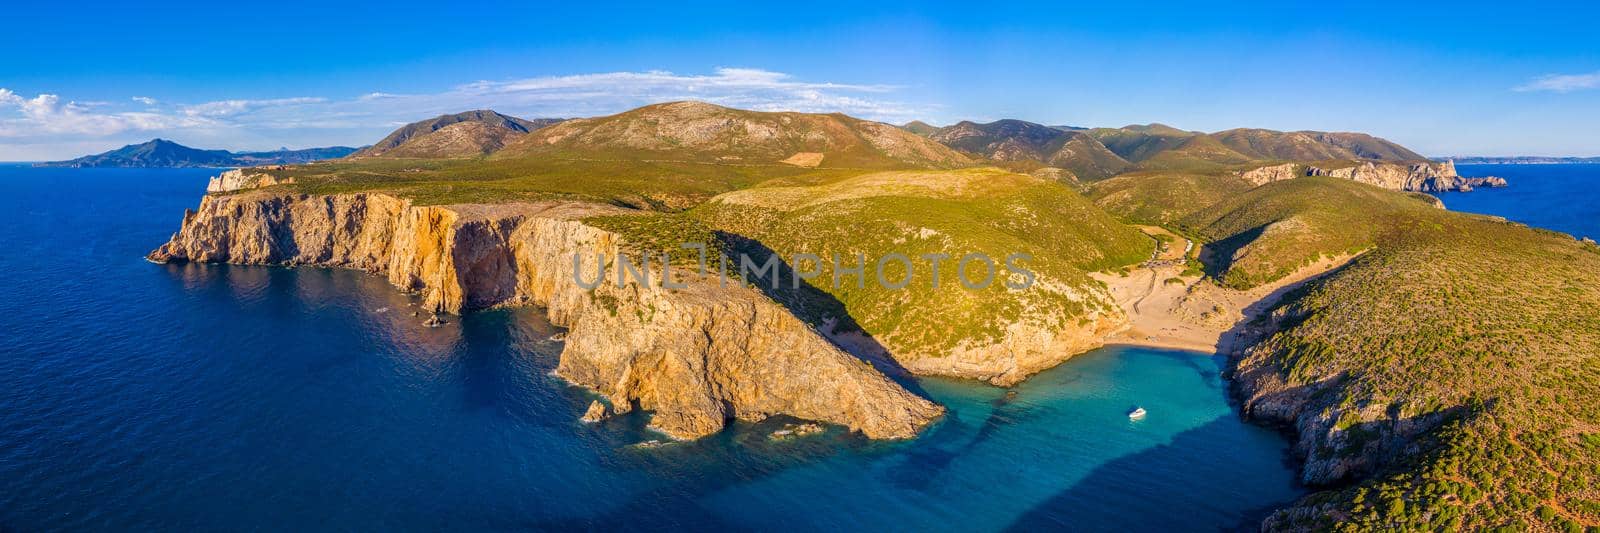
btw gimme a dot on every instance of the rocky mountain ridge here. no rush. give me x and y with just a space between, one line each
1016 140
465 134
702 132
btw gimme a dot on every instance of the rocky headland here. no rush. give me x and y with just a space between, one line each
1412 177
697 356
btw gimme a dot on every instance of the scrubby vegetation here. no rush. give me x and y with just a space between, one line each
1268 232
1476 344
652 185
954 212
1447 379
1163 198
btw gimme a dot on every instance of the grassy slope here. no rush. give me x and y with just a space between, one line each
954 212
1163 198
1481 333
1459 358
664 185
694 131
1138 144
1268 232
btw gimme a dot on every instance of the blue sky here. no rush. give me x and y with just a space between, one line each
1445 79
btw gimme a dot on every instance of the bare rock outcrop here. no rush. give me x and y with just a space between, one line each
697 356
1337 442
241 179
1270 173
1416 177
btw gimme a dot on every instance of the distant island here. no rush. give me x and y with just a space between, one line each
1517 160
162 153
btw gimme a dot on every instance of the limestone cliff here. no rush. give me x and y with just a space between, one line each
697 356
240 179
1418 177
1270 173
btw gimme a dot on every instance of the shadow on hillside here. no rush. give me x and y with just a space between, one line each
1217 256
1258 322
1126 493
815 307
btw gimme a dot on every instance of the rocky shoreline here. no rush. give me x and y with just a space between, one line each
698 356
1415 177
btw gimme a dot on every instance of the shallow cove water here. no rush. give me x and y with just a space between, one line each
142 396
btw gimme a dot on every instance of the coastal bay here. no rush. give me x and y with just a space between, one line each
208 396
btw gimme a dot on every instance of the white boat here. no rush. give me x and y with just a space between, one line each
1136 413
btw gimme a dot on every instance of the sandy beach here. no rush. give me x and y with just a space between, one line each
1169 310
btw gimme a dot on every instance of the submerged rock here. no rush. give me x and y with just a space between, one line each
792 431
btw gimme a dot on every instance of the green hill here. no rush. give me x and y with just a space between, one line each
463 134
983 210
706 133
1450 372
1267 232
1138 143
1312 145
1441 381
1163 198
920 128
1197 153
1021 141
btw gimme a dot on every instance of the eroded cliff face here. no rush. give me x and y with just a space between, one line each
240 179
1338 438
1418 177
1024 349
1270 173
698 356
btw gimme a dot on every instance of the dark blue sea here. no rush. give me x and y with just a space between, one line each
1564 198
136 396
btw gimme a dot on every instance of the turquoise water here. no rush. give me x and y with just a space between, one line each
142 396
1558 197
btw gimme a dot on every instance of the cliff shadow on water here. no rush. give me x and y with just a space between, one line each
1130 480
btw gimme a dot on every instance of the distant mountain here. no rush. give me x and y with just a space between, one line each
285 156
1099 153
1516 160
160 153
701 132
1018 140
467 134
1312 145
1136 143
920 128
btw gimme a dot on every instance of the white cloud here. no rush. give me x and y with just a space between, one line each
45 115
1561 83
303 121
228 108
611 92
